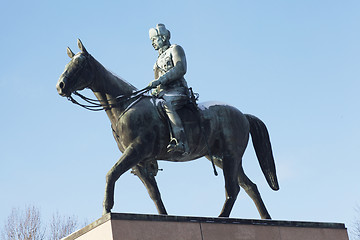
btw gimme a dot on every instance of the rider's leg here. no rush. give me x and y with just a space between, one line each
179 142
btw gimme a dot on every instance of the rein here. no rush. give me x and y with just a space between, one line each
96 105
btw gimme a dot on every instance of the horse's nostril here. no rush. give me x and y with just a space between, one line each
60 86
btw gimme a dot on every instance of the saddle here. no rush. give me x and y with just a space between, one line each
189 112
190 116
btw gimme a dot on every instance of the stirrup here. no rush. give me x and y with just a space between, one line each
175 146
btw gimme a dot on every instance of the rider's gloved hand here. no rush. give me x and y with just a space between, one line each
155 92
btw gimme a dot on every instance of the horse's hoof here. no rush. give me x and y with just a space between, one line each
105 211
224 215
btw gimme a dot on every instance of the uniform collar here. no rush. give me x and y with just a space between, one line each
163 49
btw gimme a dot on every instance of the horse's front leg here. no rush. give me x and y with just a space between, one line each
147 171
133 154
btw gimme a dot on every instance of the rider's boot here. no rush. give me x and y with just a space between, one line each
178 143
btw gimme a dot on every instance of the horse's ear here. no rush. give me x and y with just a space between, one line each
69 52
81 46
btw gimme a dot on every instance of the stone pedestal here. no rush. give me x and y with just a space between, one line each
121 226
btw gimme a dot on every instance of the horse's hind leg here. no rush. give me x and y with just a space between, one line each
253 192
230 169
147 172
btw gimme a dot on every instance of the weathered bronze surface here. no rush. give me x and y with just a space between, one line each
142 133
169 70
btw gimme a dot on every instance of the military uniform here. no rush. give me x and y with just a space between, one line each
169 70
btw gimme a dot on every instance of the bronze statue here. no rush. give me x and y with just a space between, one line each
142 133
170 84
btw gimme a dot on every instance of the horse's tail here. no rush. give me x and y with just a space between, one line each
261 141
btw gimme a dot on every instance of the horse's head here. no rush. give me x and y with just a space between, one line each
77 74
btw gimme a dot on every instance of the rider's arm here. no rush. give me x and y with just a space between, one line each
179 69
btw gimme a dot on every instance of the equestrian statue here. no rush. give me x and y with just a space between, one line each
163 121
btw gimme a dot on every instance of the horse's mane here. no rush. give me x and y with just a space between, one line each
123 83
120 78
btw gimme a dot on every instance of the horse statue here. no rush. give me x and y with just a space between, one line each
142 133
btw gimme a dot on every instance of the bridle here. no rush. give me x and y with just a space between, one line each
97 105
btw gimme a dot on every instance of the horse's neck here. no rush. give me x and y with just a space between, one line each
107 87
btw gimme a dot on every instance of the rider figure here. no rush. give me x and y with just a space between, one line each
170 84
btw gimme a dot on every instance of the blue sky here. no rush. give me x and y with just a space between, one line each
293 64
